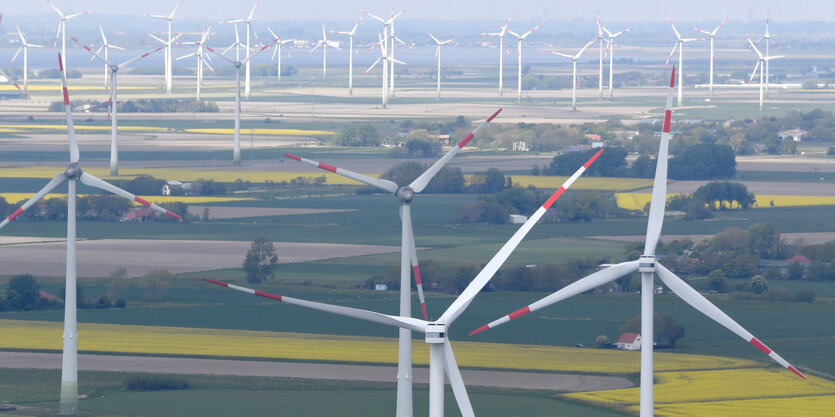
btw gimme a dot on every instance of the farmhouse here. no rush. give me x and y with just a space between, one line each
629 341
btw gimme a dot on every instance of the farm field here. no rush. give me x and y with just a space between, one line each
637 201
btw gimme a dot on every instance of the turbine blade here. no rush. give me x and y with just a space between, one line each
171 16
407 222
257 51
12 81
185 56
15 55
423 180
584 48
252 12
531 31
221 55
561 54
92 181
74 153
433 37
577 287
477 284
404 322
699 302
678 35
756 67
384 185
100 58
457 382
132 60
659 186
54 8
57 34
373 65
671 54
54 182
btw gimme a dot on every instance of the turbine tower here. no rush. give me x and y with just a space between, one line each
610 50
502 31
711 35
574 59
237 62
441 358
601 38
385 58
167 54
520 38
351 51
248 21
680 45
768 41
114 143
62 30
438 44
408 255
201 55
73 174
105 45
277 51
324 44
388 35
24 46
762 62
648 267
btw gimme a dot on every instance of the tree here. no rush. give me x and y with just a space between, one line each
494 181
23 293
449 180
758 284
483 211
643 167
765 241
664 327
717 281
364 135
704 161
403 173
260 260
584 206
611 163
717 193
794 271
602 341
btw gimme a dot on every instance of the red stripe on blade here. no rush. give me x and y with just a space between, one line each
416 271
298 158
466 140
142 201
493 116
66 97
673 77
480 329
593 158
222 284
173 215
327 167
60 63
791 368
520 312
16 213
268 295
668 116
553 198
760 346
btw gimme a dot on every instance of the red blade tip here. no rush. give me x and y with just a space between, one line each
673 77
791 368
490 119
298 158
222 284
479 330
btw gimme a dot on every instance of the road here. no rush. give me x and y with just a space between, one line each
498 379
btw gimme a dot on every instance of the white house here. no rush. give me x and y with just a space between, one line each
517 219
629 341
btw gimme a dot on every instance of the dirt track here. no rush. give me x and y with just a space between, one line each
520 380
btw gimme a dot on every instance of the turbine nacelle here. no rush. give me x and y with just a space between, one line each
436 333
405 194
646 263
73 171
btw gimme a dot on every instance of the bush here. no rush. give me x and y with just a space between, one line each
155 383
805 296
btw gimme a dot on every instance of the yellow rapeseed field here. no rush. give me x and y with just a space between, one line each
281 132
637 201
583 183
13 198
16 334
816 406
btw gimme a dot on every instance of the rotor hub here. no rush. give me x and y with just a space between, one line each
238 64
73 171
646 263
405 194
114 68
435 333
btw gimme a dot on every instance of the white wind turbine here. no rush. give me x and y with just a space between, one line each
277 51
62 30
648 267
520 38
601 38
237 62
24 46
324 44
768 42
351 51
385 58
680 45
408 255
502 31
711 35
113 102
442 361
168 54
387 35
394 39
248 21
610 49
74 173
762 62
201 56
105 45
438 44
574 59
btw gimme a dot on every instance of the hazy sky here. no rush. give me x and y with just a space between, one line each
612 10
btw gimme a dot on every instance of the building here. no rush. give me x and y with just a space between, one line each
793 134
629 341
517 219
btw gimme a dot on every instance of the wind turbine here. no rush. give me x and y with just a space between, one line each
388 35
441 358
762 61
114 69
711 35
24 46
648 267
610 48
680 45
324 44
351 51
601 38
385 58
168 54
248 21
408 255
105 45
237 62
574 59
768 42
11 81
520 38
500 34
438 44
201 57
277 51
62 30
74 173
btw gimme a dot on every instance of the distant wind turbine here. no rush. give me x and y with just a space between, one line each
351 51
438 44
24 47
711 35
574 59
520 38
680 45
